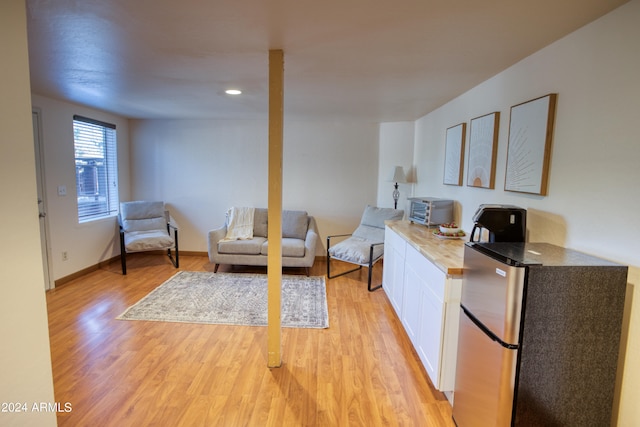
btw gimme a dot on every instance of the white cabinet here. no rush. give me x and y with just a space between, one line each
429 307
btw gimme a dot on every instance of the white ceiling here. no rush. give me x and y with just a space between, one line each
377 60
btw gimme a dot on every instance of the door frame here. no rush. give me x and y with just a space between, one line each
39 159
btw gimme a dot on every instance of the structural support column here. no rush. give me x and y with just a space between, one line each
274 259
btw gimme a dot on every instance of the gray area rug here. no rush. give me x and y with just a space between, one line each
232 299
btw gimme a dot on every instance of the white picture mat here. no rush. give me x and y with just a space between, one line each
481 162
526 153
454 154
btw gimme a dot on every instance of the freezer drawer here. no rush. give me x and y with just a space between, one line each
493 292
485 373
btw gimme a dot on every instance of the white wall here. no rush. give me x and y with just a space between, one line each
395 149
201 168
594 172
25 361
88 243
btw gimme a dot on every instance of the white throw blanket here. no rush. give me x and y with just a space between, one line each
239 224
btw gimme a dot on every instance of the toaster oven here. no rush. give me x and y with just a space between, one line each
430 211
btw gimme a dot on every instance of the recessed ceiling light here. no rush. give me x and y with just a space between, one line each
233 92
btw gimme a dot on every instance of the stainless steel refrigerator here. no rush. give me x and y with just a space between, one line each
539 336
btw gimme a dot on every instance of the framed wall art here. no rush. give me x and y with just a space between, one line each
529 152
454 154
483 148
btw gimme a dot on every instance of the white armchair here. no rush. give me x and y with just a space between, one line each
146 226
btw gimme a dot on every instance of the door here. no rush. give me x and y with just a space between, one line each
42 205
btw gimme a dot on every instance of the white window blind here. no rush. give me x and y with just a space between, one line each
96 168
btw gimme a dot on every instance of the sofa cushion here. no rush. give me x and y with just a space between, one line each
260 227
295 224
290 248
242 247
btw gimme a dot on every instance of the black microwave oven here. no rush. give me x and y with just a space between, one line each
430 211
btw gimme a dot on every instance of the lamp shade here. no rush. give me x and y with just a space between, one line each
398 175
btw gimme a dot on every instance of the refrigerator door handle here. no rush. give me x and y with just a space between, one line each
487 331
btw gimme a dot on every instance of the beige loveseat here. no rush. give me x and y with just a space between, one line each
299 240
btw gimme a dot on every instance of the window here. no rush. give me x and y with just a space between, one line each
96 168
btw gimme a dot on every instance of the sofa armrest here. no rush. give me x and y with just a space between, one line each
214 237
311 239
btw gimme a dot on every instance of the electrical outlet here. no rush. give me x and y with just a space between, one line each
65 256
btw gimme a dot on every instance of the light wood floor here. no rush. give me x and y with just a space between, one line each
362 370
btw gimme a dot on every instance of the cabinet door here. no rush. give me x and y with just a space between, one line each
425 287
412 302
429 340
393 271
388 265
397 293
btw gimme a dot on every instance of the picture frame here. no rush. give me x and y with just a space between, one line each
483 150
454 154
529 151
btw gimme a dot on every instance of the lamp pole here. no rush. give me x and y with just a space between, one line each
396 196
397 177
